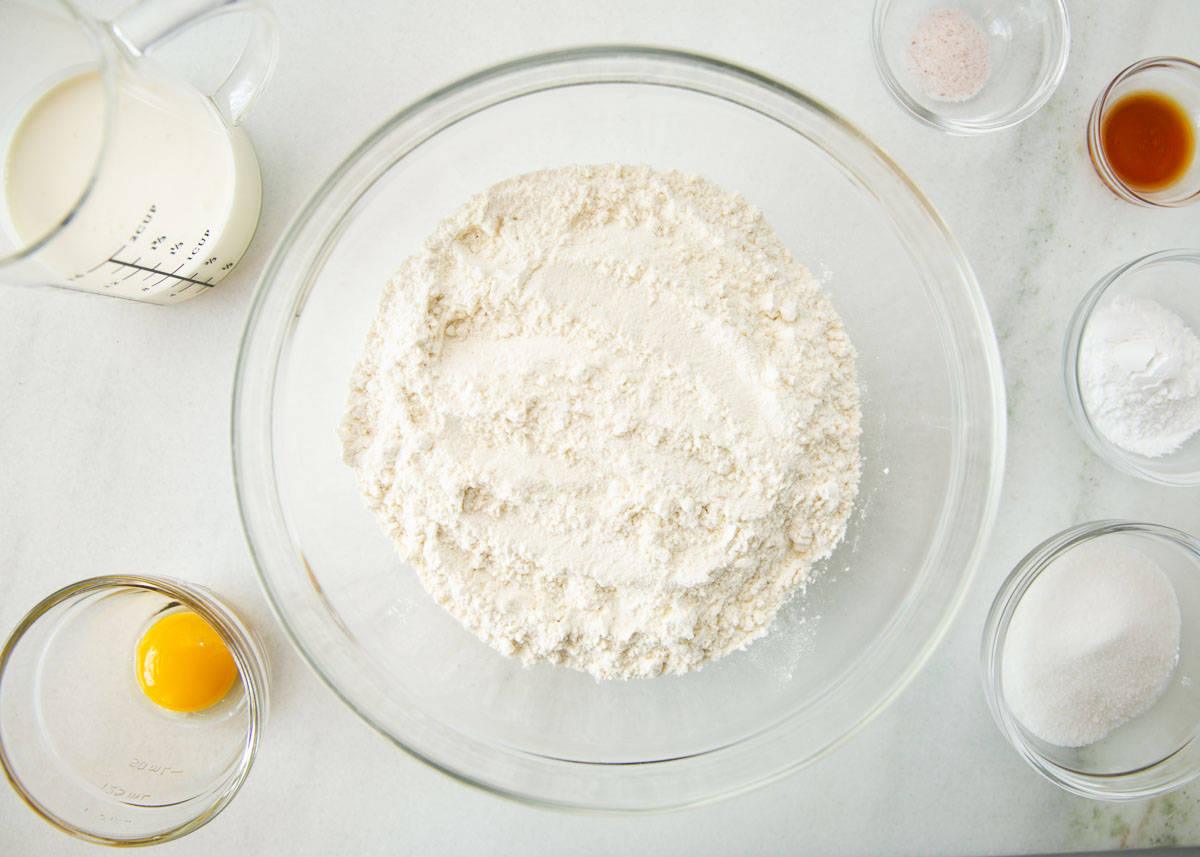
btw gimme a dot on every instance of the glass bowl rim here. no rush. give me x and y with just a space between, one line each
249 657
1018 114
1112 787
254 474
1126 462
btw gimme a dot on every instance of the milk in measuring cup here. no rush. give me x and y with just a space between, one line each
175 198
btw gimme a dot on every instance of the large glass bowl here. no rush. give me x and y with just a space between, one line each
933 437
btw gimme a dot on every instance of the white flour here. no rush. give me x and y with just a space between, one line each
1139 376
608 419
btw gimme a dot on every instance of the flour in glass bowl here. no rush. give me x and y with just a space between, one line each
608 419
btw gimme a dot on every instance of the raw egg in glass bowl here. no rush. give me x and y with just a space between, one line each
130 708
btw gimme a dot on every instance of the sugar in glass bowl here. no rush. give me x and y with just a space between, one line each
933 437
1027 46
1155 751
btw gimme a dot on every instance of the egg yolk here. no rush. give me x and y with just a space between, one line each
183 664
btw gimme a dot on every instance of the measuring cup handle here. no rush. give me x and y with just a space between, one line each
149 23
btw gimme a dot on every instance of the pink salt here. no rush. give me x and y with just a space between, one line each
950 55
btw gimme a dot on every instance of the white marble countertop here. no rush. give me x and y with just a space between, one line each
114 443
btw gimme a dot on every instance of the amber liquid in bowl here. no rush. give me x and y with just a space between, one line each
1148 140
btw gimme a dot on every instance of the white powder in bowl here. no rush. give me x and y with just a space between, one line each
1139 376
1092 644
608 419
949 55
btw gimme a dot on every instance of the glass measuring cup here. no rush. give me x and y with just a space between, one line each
116 177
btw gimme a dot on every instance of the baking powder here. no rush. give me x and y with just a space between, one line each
1139 375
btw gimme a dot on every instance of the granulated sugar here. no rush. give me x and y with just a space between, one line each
949 55
1092 644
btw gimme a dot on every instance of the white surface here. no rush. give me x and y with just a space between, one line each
114 443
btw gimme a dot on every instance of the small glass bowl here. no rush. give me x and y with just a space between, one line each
1029 42
85 748
1156 751
1172 279
1171 76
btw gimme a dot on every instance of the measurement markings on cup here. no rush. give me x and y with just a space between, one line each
183 283
155 278
163 274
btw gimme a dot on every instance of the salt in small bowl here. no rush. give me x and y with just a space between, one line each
1028 44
